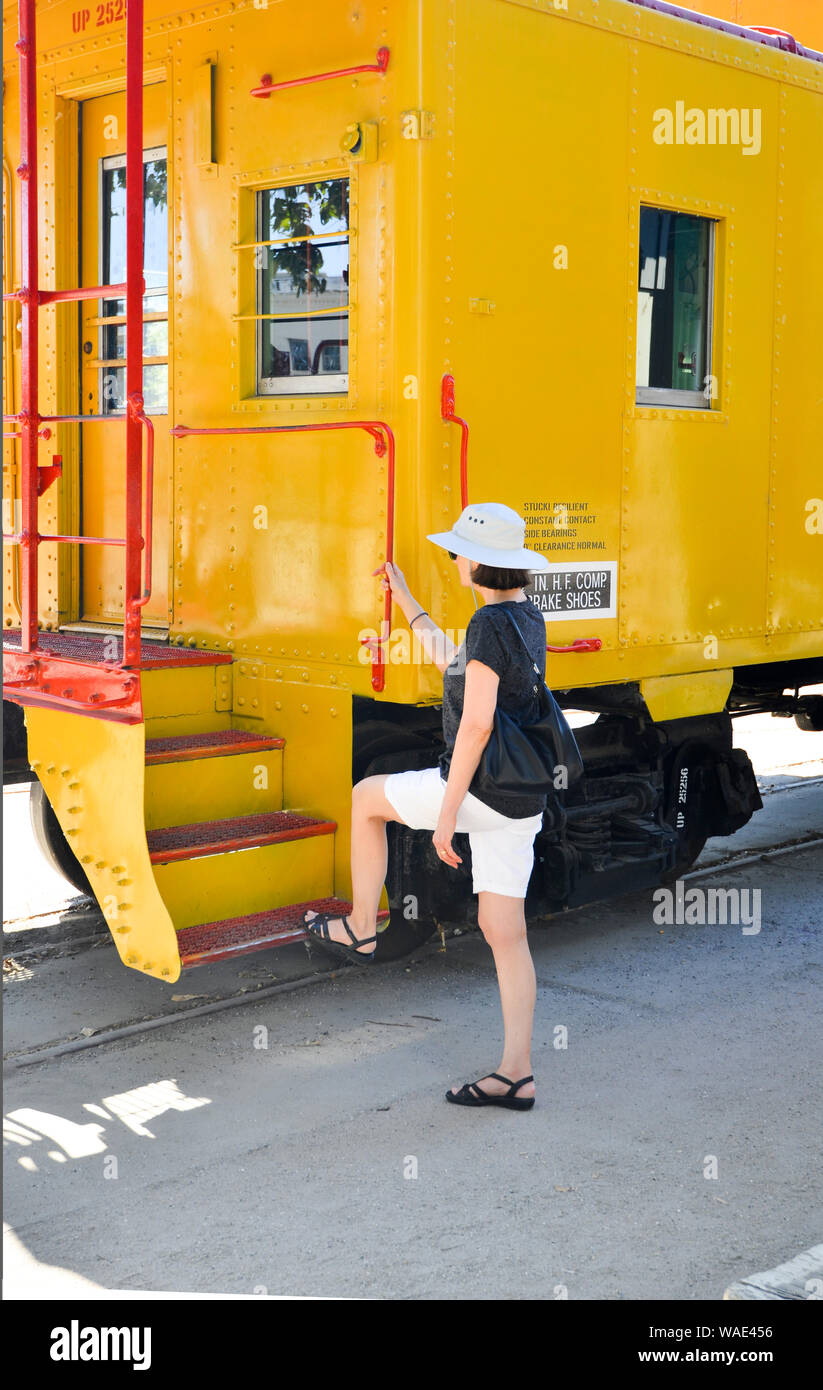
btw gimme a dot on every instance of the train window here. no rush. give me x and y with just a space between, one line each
674 309
112 322
302 271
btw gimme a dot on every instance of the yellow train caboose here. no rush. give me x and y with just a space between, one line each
386 258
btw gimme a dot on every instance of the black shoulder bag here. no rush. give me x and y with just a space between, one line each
526 759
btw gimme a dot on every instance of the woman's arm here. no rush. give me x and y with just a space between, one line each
476 724
437 646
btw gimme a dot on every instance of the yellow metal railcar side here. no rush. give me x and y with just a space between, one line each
495 194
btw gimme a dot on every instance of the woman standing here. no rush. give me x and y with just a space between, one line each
493 665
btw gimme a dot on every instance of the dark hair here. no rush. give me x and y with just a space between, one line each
491 577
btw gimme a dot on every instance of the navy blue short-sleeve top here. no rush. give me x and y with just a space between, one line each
490 638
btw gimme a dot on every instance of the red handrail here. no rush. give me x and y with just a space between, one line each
28 417
447 414
135 405
267 86
134 328
383 437
28 296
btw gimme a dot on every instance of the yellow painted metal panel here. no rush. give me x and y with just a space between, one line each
171 726
275 538
217 886
176 690
795 532
236 784
92 772
678 697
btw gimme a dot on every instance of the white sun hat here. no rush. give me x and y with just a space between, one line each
492 534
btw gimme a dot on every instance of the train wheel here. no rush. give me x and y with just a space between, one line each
401 936
810 714
52 842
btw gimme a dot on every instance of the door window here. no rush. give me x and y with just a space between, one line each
112 321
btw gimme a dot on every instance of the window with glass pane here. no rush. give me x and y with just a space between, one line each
302 264
674 303
155 274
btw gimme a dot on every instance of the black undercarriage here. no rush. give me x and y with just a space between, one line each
653 793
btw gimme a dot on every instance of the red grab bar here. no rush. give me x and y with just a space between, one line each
447 414
383 437
267 86
580 644
135 409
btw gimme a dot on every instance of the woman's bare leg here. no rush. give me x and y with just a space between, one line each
369 860
502 921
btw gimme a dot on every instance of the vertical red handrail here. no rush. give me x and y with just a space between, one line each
134 327
447 408
29 300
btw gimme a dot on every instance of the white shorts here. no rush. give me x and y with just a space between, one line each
502 847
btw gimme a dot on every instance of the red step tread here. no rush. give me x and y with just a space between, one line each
87 647
182 747
170 843
235 936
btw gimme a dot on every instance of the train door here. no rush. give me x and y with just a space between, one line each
103 348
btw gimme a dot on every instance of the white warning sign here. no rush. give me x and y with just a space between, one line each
563 592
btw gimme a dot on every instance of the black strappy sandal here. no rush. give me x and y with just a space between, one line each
319 927
471 1094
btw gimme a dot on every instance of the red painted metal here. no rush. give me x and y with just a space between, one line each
580 644
55 296
134 329
135 406
15 419
791 42
75 540
168 844
447 414
28 418
235 936
181 748
755 33
267 86
91 648
42 678
383 437
46 476
80 419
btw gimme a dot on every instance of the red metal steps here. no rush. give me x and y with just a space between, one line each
95 648
184 747
175 842
235 936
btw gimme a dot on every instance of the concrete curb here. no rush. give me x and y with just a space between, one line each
800 1279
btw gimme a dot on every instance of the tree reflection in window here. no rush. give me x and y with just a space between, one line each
155 274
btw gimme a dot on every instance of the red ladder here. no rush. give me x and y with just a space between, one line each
29 420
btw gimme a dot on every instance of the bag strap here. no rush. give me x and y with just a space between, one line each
509 614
